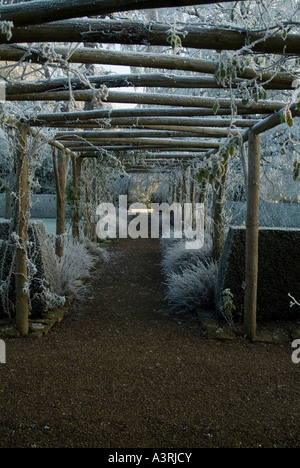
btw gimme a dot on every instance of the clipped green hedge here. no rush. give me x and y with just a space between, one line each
279 272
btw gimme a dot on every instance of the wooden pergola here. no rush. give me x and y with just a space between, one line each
170 127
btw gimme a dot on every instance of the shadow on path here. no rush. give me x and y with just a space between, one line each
117 372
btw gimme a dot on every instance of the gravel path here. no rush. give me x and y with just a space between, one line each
117 372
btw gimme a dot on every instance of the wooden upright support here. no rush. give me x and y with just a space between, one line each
76 165
219 201
59 165
21 229
252 235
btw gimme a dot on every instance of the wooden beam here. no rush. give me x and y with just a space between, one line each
213 132
170 155
189 101
110 81
145 147
275 80
151 99
97 148
175 127
138 133
155 34
162 142
138 117
272 121
44 11
252 236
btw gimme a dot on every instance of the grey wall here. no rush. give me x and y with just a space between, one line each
43 206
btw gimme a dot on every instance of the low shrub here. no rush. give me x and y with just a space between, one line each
192 288
189 274
76 262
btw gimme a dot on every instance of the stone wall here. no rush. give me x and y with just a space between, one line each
43 206
279 272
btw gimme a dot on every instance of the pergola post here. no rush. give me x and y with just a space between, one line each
21 229
252 236
218 223
76 166
187 184
193 196
59 165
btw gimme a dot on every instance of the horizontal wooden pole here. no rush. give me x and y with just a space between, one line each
152 99
117 134
140 116
138 147
97 148
153 141
155 34
59 119
110 81
44 11
171 155
162 124
189 101
87 55
75 137
212 132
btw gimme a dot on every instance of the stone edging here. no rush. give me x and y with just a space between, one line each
214 331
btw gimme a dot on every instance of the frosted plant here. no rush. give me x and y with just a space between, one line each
75 264
175 256
193 288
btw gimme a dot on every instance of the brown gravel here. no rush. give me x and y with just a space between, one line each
117 372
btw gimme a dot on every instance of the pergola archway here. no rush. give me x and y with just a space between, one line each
180 127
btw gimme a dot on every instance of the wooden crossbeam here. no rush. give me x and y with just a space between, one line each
129 32
44 11
138 133
273 79
138 117
161 142
152 99
147 147
110 81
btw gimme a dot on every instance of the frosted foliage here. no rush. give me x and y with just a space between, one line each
176 257
76 263
6 29
193 288
190 275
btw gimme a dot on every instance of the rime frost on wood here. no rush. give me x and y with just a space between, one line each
241 82
44 284
6 28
